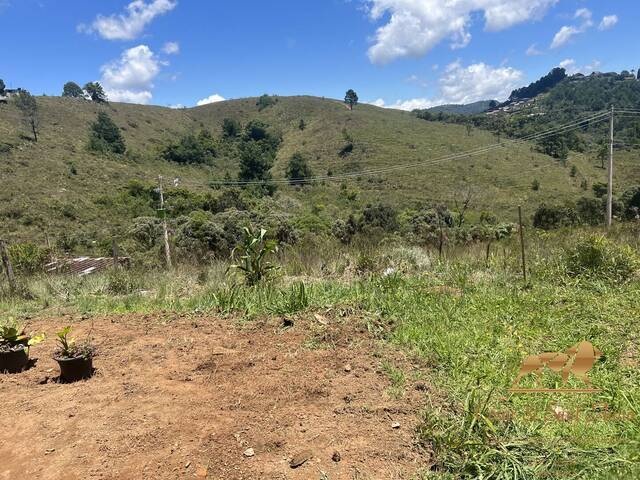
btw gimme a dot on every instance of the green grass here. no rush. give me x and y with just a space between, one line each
470 338
56 185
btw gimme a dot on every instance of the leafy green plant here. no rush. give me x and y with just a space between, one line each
13 334
252 255
69 348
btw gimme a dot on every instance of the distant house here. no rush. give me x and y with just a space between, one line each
12 92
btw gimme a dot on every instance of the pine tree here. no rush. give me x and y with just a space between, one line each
96 92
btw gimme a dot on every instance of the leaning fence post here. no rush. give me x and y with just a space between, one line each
8 268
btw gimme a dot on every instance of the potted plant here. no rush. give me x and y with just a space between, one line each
75 359
14 347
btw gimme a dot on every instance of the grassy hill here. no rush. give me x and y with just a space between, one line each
56 185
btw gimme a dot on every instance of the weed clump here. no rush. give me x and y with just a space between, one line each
598 257
121 282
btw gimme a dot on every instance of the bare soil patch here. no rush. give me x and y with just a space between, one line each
194 397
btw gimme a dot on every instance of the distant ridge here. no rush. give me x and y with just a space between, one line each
464 109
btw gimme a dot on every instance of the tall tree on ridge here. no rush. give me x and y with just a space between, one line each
351 98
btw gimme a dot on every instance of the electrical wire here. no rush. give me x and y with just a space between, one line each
478 151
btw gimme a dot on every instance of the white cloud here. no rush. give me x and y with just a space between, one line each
568 64
177 106
210 99
608 22
533 50
563 36
378 103
478 82
572 68
416 80
171 48
460 84
130 78
584 14
416 26
567 31
129 25
416 103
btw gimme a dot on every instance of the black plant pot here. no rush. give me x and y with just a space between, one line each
74 369
14 361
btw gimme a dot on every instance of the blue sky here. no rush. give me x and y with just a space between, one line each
397 53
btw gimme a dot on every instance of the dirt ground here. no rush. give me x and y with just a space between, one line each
186 397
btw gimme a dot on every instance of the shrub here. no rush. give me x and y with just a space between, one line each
599 189
230 128
198 234
548 217
265 101
590 210
297 169
146 231
105 136
191 149
28 258
346 150
381 216
122 282
345 230
598 257
631 201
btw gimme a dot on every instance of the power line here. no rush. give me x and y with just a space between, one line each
478 151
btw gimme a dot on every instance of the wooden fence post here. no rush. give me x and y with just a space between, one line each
8 268
524 265
115 252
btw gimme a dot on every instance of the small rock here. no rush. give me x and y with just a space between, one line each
347 368
395 425
336 456
300 458
43 380
49 450
321 320
202 472
249 452
186 465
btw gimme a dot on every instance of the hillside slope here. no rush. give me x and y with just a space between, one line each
56 185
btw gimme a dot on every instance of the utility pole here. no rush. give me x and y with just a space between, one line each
610 174
163 213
